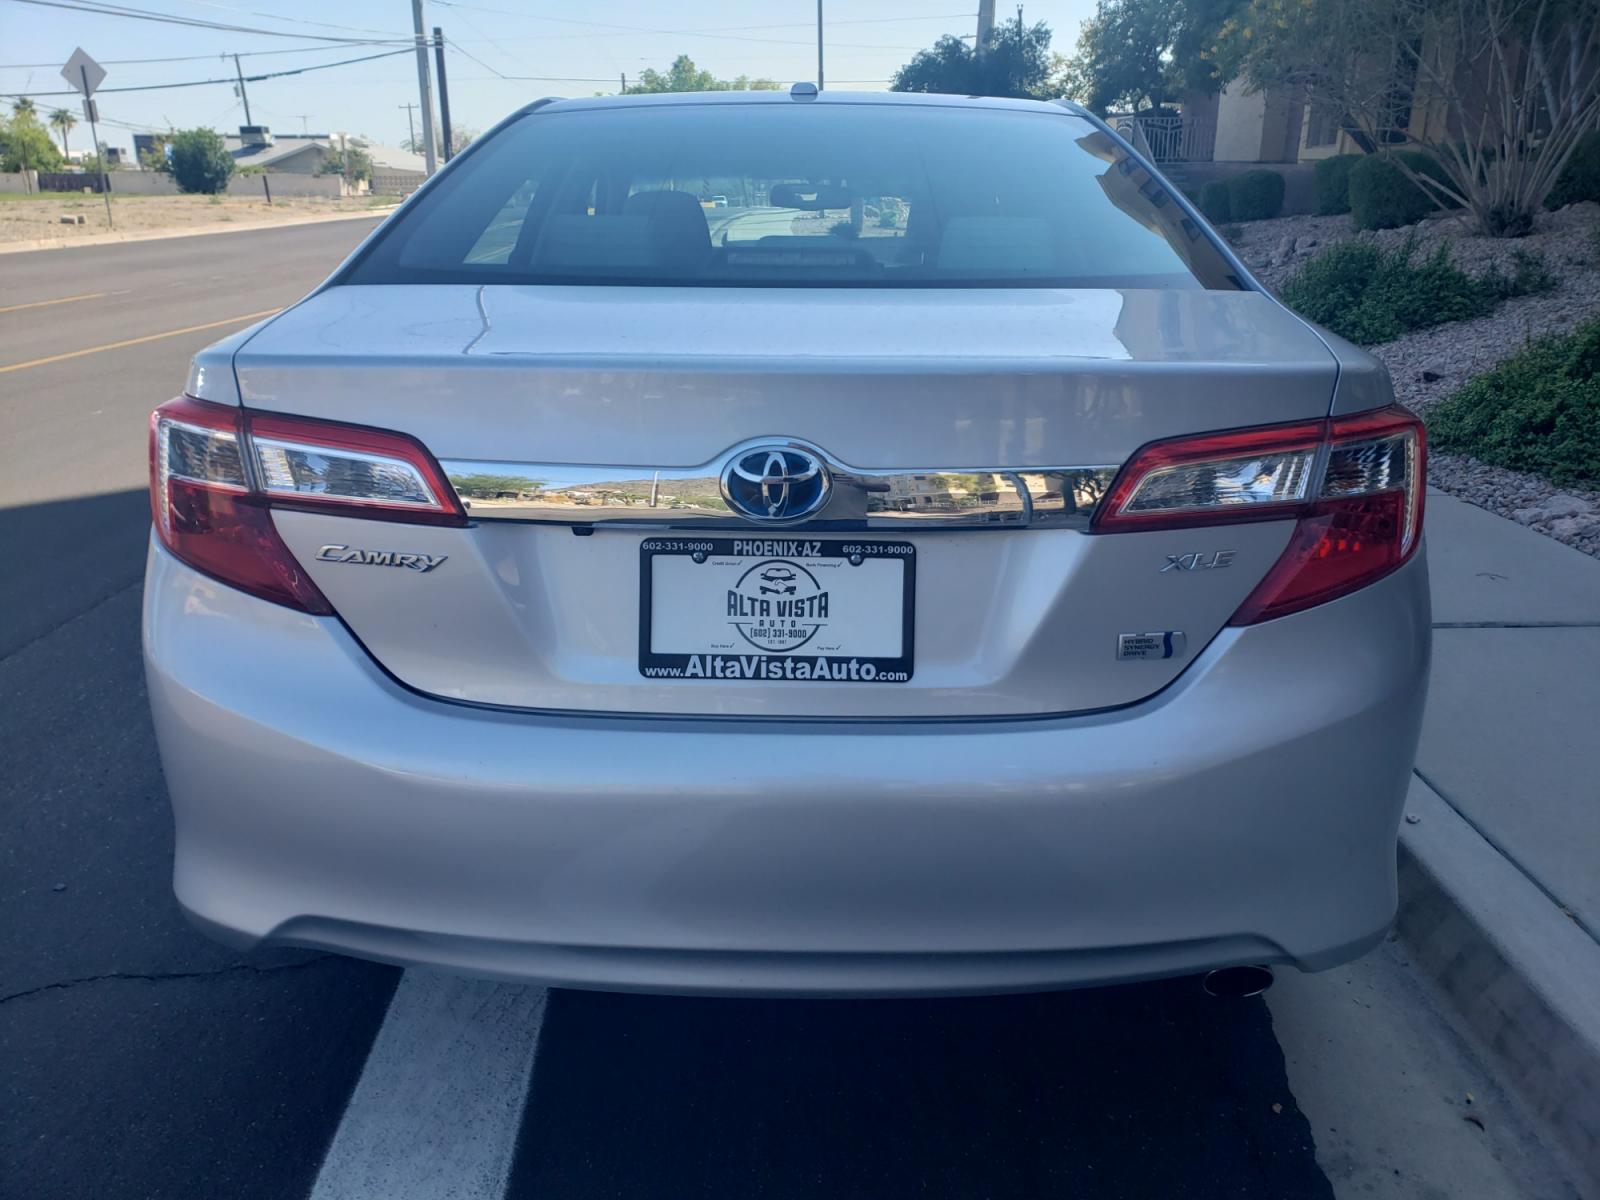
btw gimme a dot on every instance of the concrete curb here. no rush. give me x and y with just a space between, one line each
156 235
1524 978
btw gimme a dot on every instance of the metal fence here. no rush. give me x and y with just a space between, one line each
1169 137
69 181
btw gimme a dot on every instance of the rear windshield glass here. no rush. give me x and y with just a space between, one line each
798 194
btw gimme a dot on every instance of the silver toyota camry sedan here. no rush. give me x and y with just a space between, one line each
790 543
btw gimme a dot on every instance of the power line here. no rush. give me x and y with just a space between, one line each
156 87
118 10
250 12
127 62
606 25
831 23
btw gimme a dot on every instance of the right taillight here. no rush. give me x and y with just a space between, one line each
217 471
1355 484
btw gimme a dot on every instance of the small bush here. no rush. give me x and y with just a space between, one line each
1382 197
1332 178
1538 411
1580 178
200 161
1215 202
1529 275
1369 295
1255 196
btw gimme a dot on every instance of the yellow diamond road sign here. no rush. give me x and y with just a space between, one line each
83 73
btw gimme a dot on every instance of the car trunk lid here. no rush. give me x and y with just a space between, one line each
960 387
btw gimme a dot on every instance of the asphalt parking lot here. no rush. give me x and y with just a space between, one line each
138 1059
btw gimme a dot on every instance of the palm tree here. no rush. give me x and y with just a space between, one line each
62 122
23 108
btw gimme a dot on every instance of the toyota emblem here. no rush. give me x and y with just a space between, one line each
775 483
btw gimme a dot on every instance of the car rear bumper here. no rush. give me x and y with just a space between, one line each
1245 814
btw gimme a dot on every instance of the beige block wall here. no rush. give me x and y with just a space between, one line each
1241 117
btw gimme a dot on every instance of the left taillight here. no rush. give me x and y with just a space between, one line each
217 471
1355 485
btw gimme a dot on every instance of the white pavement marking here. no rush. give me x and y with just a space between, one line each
436 1112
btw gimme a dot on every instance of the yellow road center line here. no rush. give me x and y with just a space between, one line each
149 337
47 303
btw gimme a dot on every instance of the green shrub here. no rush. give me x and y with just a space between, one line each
200 161
1580 178
1255 196
1381 195
1370 295
1529 275
1215 202
1538 411
1332 178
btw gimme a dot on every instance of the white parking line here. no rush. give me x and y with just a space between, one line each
436 1111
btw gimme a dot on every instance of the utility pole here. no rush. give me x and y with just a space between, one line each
819 45
424 87
411 122
302 118
623 79
985 26
266 187
243 95
444 92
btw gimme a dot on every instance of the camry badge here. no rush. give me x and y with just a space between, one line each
380 558
775 483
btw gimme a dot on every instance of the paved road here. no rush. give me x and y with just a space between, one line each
137 1059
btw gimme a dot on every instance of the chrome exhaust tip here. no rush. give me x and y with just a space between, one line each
1237 982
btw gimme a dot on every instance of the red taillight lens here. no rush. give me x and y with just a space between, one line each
1354 483
216 471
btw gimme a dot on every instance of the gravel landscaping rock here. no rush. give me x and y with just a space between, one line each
1430 364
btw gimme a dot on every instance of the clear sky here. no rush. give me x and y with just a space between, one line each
572 49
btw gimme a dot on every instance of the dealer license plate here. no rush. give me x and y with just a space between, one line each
778 610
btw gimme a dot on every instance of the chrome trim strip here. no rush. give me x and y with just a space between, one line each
692 497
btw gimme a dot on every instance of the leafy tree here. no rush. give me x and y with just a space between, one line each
156 160
334 163
1138 54
1016 62
25 145
1497 94
201 162
460 138
684 76
63 121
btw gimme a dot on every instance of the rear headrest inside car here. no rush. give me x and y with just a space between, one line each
678 229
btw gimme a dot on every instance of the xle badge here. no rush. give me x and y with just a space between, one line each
777 605
1151 645
1198 562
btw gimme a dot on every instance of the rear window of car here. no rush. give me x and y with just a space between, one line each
799 194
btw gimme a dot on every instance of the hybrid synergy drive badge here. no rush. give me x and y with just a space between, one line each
1151 645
